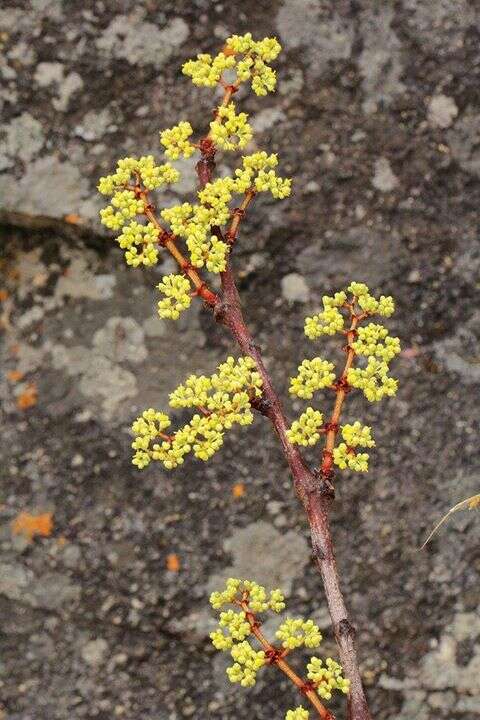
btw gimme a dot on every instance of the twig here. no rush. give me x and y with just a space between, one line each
277 657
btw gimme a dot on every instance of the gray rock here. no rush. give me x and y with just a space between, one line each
252 545
265 119
64 193
51 591
380 60
121 339
464 140
300 24
23 137
130 38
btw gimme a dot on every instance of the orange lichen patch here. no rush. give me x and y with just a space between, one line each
73 219
62 541
173 562
32 525
14 349
28 398
238 490
3 295
14 375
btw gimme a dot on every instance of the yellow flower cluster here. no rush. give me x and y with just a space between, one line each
383 306
175 140
247 663
312 375
373 380
337 300
344 455
223 399
257 173
152 176
254 63
237 629
176 289
327 678
374 341
135 236
229 130
256 595
298 714
328 322
297 632
305 430
124 206
194 223
358 435
207 71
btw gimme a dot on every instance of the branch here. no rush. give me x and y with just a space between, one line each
314 489
277 657
315 492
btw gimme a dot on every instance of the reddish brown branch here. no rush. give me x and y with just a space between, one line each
276 657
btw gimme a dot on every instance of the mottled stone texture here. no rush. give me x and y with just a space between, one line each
377 117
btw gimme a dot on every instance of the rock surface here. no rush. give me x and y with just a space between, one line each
377 118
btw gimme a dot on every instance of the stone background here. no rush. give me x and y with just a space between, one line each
377 118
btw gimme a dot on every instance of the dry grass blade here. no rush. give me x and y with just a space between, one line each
470 503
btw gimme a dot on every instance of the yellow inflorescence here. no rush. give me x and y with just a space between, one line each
373 380
256 594
247 663
305 430
223 400
176 289
298 714
236 625
327 678
358 435
297 632
152 175
207 71
257 173
140 243
383 306
230 130
124 206
312 375
374 341
328 322
176 142
252 65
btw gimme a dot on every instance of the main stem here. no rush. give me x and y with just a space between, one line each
313 488
315 493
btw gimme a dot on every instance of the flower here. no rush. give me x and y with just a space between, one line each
176 289
223 400
175 140
305 430
230 130
312 375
